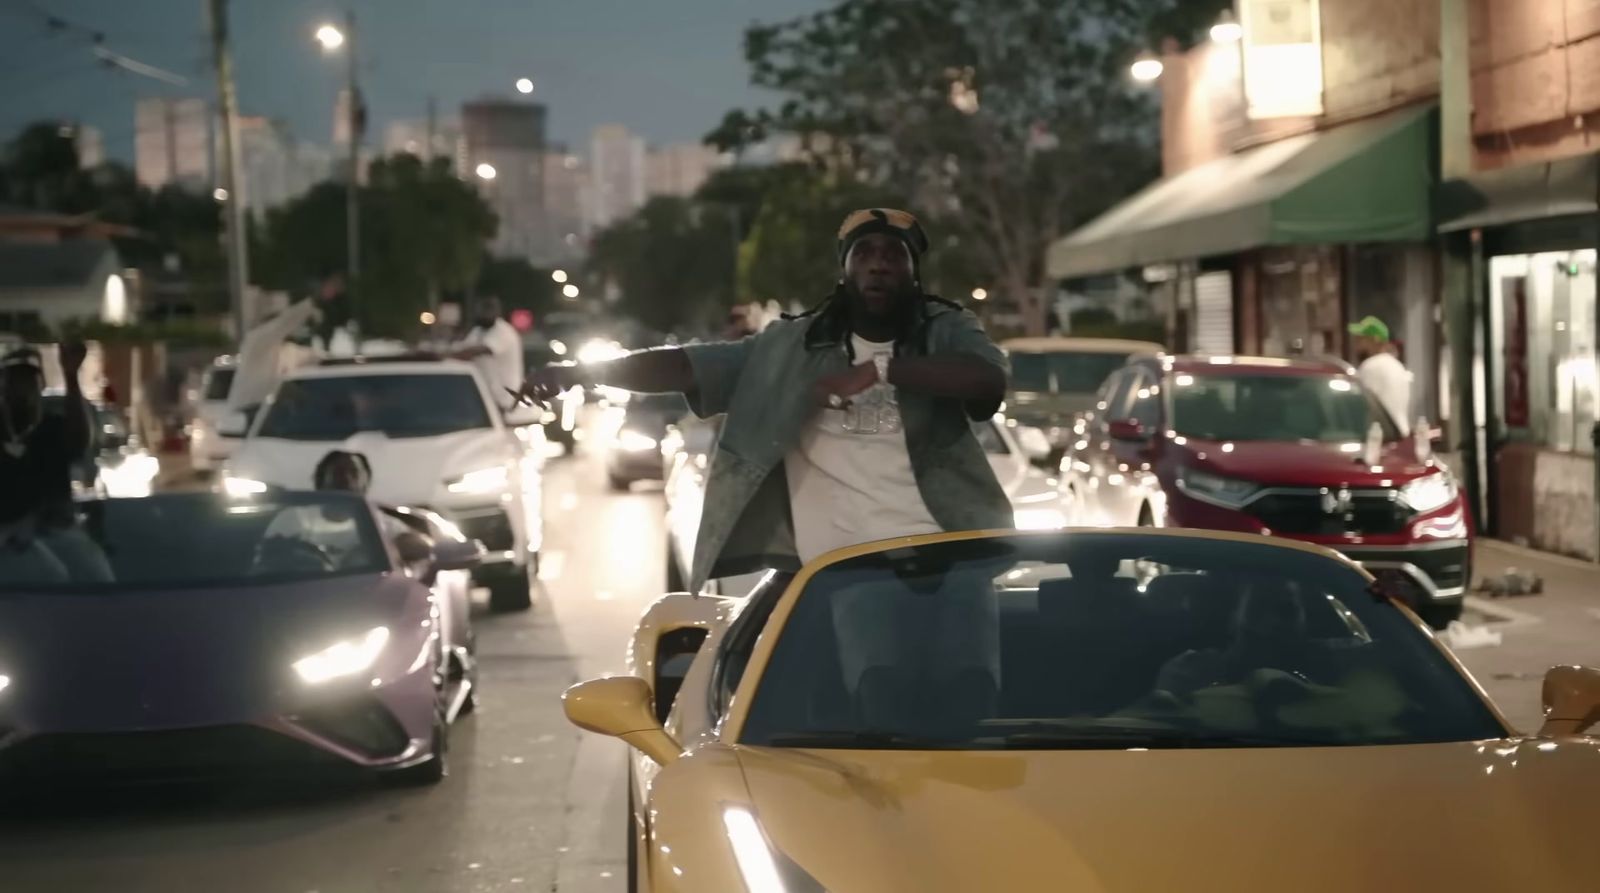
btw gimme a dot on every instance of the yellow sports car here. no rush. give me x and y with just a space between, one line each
1108 710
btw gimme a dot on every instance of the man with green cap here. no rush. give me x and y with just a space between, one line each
848 424
1381 372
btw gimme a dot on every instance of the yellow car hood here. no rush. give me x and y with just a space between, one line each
1500 815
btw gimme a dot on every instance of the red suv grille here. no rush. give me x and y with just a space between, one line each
1331 512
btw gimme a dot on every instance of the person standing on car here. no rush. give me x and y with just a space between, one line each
494 346
38 523
847 424
1382 373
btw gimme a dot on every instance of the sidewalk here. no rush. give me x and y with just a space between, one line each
1559 626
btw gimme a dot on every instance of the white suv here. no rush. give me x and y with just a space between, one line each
435 440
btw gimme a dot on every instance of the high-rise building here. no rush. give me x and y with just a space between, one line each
411 135
619 178
91 146
567 191
172 143
275 166
505 156
679 169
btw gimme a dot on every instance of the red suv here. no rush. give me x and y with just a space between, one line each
1289 448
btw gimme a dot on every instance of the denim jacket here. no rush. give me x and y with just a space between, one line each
764 384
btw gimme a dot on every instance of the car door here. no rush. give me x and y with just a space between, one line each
1097 463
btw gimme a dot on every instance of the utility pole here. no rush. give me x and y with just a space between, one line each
233 207
353 184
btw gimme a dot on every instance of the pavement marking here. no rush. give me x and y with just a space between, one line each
1509 618
551 564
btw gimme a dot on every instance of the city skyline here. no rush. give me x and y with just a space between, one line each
669 71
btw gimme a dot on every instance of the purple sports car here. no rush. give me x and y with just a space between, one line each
193 633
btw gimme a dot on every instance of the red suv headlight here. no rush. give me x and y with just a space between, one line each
1214 488
1429 492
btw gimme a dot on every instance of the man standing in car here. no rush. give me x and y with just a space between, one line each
495 347
1381 372
848 424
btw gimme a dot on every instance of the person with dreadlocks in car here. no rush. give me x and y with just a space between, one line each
847 424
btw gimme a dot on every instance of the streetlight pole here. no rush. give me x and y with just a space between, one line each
233 205
353 185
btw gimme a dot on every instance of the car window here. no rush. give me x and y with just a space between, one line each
740 639
1104 640
1116 399
218 383
1144 401
1323 408
336 408
1063 372
199 540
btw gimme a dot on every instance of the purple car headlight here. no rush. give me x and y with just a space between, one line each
343 658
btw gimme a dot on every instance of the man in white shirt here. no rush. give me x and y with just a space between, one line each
494 346
1381 372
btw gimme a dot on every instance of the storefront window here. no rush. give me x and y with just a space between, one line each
1543 319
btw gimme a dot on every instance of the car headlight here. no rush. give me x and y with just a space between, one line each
1216 489
764 870
634 442
1040 519
484 480
343 658
5 682
1430 492
241 487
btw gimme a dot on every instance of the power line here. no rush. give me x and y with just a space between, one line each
54 24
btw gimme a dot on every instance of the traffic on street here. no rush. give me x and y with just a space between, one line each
818 446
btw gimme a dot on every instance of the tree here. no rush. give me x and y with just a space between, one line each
423 232
518 284
1015 121
791 253
673 261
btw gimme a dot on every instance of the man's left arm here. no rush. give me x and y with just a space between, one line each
76 426
963 364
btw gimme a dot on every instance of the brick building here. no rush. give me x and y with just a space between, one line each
1300 192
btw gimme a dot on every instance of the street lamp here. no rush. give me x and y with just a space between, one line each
428 318
330 37
220 194
559 276
486 171
333 38
570 290
1227 29
1146 68
980 294
524 85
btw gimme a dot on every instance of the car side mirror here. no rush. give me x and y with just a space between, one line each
454 555
1126 429
621 707
413 547
1571 700
234 424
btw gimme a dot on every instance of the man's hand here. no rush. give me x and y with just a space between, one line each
73 353
544 385
834 391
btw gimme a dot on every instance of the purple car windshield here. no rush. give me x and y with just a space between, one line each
197 540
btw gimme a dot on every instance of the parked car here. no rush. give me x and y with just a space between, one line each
268 632
1292 448
687 449
1216 723
634 452
1054 379
208 448
435 439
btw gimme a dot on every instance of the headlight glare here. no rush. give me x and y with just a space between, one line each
635 442
240 487
1216 489
1430 492
1040 519
343 658
483 480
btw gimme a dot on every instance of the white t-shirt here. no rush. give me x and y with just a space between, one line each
501 368
848 488
1387 378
